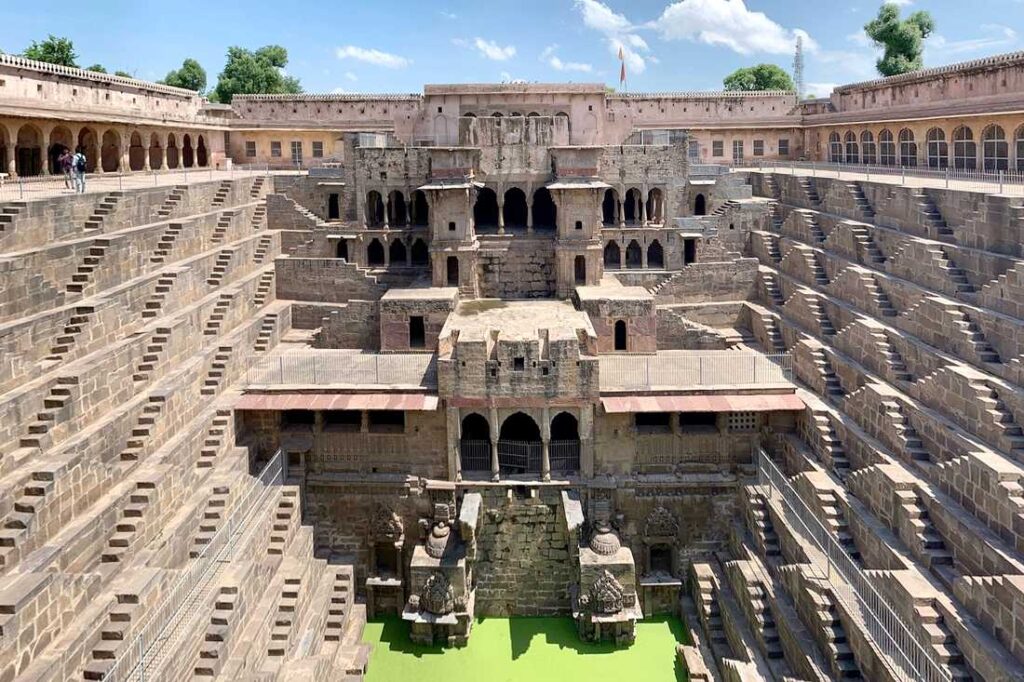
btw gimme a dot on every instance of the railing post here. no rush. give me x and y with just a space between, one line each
946 173
1001 181
903 175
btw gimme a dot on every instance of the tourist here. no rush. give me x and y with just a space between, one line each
64 161
78 165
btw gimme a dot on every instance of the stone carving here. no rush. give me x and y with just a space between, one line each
437 540
661 523
606 595
387 524
604 540
437 596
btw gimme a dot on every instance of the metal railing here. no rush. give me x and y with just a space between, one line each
564 455
144 656
698 368
904 649
328 367
519 457
475 455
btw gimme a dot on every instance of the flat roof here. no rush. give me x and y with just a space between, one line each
514 320
608 291
421 294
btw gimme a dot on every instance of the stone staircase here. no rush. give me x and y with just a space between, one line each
338 610
818 313
119 544
775 218
1010 434
836 521
223 225
220 266
770 280
107 205
905 434
262 247
810 220
54 405
925 533
223 192
893 360
882 303
963 325
9 213
166 243
810 192
870 254
263 338
216 319
257 187
154 351
832 445
930 214
80 280
171 202
259 217
833 387
284 517
141 433
841 657
113 635
943 641
155 303
215 375
860 201
263 288
214 440
71 332
771 246
762 530
213 514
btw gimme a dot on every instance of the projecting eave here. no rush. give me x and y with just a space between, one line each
451 185
578 184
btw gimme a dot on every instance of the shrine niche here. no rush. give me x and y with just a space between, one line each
659 586
437 596
385 583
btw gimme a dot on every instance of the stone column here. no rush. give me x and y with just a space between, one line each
643 256
643 211
45 151
501 213
455 427
622 252
12 164
146 164
587 440
545 436
125 163
622 213
529 214
495 467
408 253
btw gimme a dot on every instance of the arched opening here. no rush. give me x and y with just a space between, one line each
333 206
343 249
485 209
374 209
173 153
994 148
936 148
661 559
545 214
188 156
852 152
886 148
655 207
420 209
136 152
1018 138
452 267
110 153
475 443
156 152
655 255
396 209
700 205
620 335
610 208
965 149
835 148
375 253
61 140
867 148
561 115
397 252
201 154
514 210
634 255
908 148
88 143
30 151
612 256
564 448
496 114
420 254
631 206
519 445
5 144
532 114
580 269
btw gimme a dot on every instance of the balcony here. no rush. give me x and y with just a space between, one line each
337 368
683 370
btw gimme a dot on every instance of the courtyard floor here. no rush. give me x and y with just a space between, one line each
526 649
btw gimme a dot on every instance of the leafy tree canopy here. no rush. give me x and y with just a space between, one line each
190 76
53 50
759 77
902 39
255 73
98 68
123 74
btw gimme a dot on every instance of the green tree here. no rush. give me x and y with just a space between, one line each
902 40
53 50
98 68
190 76
759 77
255 73
123 74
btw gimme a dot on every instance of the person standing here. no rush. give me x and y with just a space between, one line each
78 167
64 161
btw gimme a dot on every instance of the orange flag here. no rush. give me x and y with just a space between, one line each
622 69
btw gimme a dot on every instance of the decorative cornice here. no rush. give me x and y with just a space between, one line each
326 97
105 78
995 61
704 94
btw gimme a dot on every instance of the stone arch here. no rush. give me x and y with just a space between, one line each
60 139
868 151
655 255
565 426
936 148
612 256
88 143
514 209
475 443
29 146
110 151
397 252
655 206
156 152
374 209
420 209
452 271
568 123
995 152
519 427
136 152
202 154
631 206
835 148
172 151
519 445
908 148
700 205
375 253
420 254
485 209
851 150
342 249
634 255
397 214
545 213
1018 140
621 336
886 148
579 268
188 152
965 149
5 145
610 207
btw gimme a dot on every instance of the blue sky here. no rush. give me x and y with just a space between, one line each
392 46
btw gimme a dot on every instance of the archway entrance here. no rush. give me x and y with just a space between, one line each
111 152
620 335
610 207
634 255
343 248
475 444
420 253
452 266
699 205
485 210
397 253
580 270
564 448
612 256
375 253
545 213
519 445
655 255
333 207
514 209
201 154
29 160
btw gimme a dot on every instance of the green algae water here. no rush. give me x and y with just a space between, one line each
526 649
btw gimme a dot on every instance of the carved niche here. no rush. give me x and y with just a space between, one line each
661 523
386 525
437 596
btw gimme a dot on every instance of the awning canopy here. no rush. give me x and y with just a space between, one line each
777 402
333 401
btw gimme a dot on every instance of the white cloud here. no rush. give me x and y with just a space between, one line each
619 33
350 76
448 15
819 89
898 3
861 39
998 38
491 50
548 55
340 91
372 56
730 24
